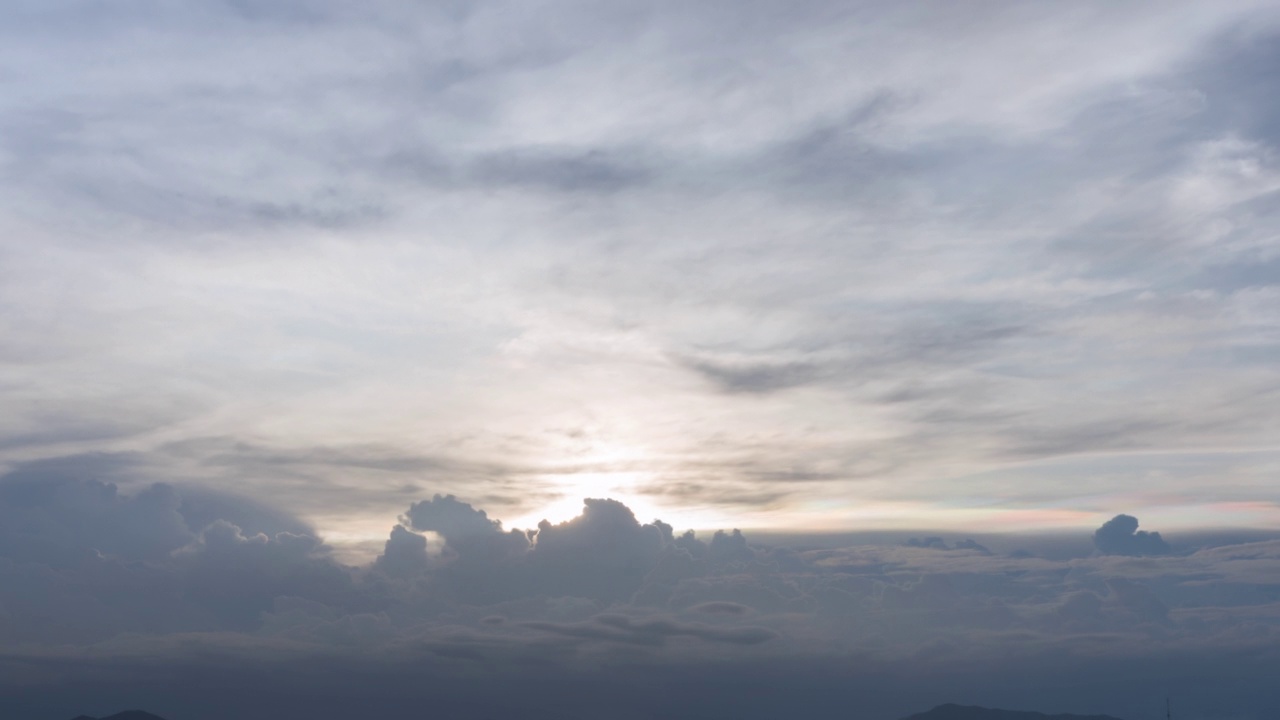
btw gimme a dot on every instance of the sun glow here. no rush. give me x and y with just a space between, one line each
573 488
630 487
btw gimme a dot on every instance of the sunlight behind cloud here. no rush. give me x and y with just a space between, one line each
622 486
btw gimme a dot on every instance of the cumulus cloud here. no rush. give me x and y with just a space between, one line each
603 553
405 553
235 579
121 561
455 520
84 560
135 578
1120 536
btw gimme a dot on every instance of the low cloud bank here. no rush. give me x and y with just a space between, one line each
88 571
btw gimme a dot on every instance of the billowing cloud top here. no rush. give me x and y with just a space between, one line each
98 586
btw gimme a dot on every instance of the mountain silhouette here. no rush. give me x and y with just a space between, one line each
126 715
967 712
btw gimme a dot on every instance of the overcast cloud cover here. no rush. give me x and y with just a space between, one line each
290 292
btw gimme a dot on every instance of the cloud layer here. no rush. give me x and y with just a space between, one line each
714 259
98 586
311 312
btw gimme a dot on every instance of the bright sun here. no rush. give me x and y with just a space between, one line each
619 471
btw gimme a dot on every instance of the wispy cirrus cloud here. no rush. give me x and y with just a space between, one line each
854 247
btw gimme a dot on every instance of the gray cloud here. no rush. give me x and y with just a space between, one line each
455 520
758 376
1120 536
134 582
623 629
405 553
589 171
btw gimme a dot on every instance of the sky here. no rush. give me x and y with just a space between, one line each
918 295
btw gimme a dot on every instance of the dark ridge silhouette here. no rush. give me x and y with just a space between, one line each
126 715
965 712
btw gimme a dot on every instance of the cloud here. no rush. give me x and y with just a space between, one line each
58 522
135 581
405 553
720 608
617 194
457 521
1120 536
237 578
938 543
652 631
86 561
604 552
397 248
757 377
589 171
